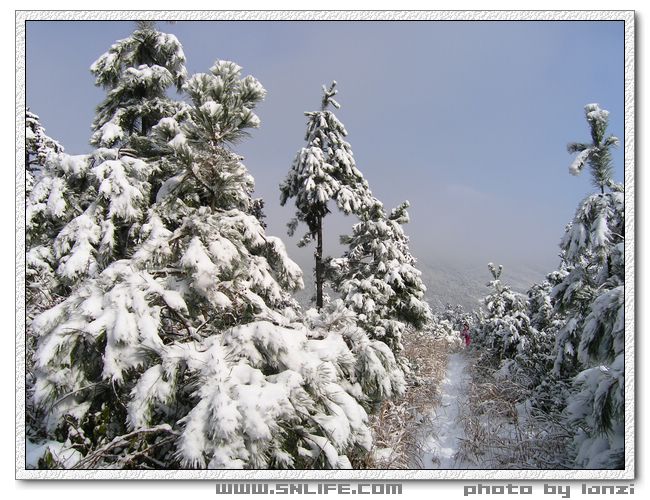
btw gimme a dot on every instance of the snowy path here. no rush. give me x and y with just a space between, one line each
441 444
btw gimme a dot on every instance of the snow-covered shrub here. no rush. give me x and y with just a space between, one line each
457 316
548 389
444 329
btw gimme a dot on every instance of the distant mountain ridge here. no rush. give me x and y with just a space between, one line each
467 284
447 283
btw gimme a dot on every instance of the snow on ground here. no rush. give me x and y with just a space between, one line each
441 445
62 453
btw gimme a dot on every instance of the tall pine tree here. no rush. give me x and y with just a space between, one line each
324 170
590 344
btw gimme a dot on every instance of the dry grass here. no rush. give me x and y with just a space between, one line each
398 424
502 433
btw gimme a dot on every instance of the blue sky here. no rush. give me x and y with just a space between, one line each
469 121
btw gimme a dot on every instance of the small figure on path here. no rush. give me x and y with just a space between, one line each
465 335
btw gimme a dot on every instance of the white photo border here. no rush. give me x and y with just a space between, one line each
628 17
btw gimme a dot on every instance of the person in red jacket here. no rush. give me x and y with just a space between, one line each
465 335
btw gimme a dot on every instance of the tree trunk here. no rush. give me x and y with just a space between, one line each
319 264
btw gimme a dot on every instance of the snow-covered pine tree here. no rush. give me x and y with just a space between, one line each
83 210
445 329
596 228
45 207
186 351
376 375
323 170
136 73
541 311
596 154
38 146
457 316
591 295
377 277
537 363
40 281
504 328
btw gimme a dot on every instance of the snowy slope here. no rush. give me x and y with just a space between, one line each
465 284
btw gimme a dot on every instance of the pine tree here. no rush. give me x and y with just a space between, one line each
376 374
457 316
537 364
503 329
444 327
38 146
49 205
377 277
590 344
84 210
323 170
40 280
184 349
136 73
597 154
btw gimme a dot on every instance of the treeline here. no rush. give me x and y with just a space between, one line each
565 340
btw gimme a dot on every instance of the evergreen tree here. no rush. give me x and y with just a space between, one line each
85 210
377 277
590 344
537 363
136 73
597 153
457 316
444 328
48 206
503 330
184 348
541 309
505 327
377 375
40 280
323 170
38 146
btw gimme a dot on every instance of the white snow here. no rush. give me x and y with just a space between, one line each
211 108
442 444
579 162
110 133
63 453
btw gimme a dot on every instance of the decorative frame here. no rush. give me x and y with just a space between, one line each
628 17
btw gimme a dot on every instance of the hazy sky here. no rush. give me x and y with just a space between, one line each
469 121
